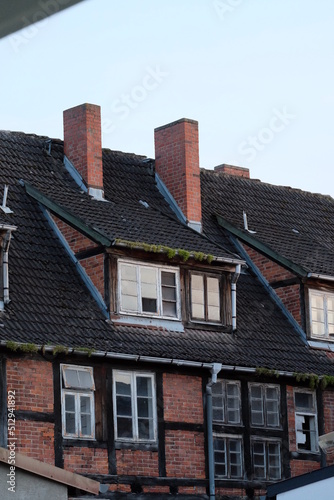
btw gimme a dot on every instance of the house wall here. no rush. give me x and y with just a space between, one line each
288 293
177 463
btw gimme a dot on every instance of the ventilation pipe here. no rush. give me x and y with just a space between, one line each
235 277
5 249
216 368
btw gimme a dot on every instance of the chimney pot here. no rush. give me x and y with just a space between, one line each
232 170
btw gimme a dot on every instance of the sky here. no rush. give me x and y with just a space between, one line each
258 76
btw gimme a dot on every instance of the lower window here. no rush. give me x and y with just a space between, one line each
266 457
306 421
228 457
78 402
134 406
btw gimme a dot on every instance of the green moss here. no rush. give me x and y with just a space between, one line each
59 349
87 350
28 348
12 346
184 254
260 371
171 252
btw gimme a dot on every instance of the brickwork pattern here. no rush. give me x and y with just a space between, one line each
177 163
82 142
137 462
36 440
185 454
83 460
182 398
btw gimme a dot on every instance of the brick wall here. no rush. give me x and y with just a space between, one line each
290 294
86 460
137 462
299 467
177 163
182 398
32 382
82 142
185 454
35 439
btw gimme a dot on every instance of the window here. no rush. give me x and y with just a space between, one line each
322 314
226 402
78 402
149 290
306 421
228 457
134 406
264 405
205 298
266 457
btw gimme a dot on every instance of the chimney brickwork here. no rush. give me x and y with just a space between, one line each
232 170
177 164
82 143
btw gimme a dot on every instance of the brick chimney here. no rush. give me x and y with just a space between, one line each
232 170
177 164
82 145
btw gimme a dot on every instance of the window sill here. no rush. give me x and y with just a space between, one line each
173 325
327 344
205 325
136 445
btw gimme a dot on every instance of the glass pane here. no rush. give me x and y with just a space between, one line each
197 296
145 429
257 417
143 407
144 386
128 272
149 305
272 406
70 414
123 383
71 377
168 279
124 406
86 425
148 275
124 427
129 288
304 400
197 310
129 303
233 403
330 303
259 460
218 414
213 313
169 309
220 457
318 329
70 423
168 293
235 458
84 404
217 389
69 402
149 290
213 291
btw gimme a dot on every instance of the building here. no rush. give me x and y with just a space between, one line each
142 343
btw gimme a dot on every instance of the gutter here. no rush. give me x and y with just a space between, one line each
148 359
235 277
216 368
324 277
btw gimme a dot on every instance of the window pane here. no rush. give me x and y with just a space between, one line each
274 461
169 309
304 400
257 417
232 403
129 303
129 290
213 313
272 406
220 457
124 427
85 413
149 291
235 458
128 272
213 291
124 406
197 296
71 377
145 429
168 293
168 279
149 305
148 275
259 460
144 386
70 414
123 383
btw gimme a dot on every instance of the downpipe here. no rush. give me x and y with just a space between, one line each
235 277
216 368
5 249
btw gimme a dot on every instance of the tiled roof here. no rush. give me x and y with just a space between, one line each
50 304
297 225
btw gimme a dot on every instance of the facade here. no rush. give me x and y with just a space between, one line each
144 342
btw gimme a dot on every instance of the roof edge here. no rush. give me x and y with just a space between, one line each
261 247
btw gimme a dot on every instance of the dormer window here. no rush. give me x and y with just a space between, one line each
322 314
149 290
205 297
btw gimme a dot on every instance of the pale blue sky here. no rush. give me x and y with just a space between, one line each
258 75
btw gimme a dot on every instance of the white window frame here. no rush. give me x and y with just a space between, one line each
223 405
206 319
159 269
135 434
324 295
311 413
227 438
266 442
77 393
265 410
